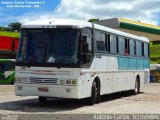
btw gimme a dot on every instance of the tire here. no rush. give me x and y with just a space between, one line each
137 88
94 93
42 99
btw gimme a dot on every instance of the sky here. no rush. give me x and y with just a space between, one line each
147 11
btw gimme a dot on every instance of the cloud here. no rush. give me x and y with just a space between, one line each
7 18
142 10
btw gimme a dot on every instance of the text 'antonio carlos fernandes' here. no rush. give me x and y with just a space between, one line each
22 2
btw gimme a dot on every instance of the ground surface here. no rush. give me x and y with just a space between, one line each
147 102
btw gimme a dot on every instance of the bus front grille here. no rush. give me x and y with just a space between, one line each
35 80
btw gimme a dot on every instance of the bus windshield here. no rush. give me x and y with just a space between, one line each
58 45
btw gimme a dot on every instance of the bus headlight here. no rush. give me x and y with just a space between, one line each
18 80
71 82
68 81
21 80
62 82
25 80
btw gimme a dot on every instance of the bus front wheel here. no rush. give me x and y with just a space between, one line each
94 94
42 99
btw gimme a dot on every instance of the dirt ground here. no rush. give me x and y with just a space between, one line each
147 102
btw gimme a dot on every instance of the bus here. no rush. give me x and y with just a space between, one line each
76 59
7 71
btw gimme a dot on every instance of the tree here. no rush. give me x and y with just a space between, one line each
93 20
15 26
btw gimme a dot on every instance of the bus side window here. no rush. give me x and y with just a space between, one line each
100 39
142 49
117 45
132 47
121 45
145 49
135 46
138 50
112 43
107 42
127 46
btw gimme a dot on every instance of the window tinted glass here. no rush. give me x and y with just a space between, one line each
132 47
107 42
127 46
142 48
117 45
145 49
138 48
121 45
100 41
112 43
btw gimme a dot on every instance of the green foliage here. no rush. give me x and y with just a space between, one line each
15 26
4 29
155 53
93 20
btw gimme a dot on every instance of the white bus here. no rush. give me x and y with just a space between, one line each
76 59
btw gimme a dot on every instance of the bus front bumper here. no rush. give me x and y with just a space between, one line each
58 91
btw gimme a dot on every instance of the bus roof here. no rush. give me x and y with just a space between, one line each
53 23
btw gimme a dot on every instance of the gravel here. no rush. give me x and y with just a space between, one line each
147 102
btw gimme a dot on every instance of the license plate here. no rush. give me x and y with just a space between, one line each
43 89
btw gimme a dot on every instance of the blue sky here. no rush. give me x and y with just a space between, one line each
48 6
147 11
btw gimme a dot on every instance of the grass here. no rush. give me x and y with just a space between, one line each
155 53
9 34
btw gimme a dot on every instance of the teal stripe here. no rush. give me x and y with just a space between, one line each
126 63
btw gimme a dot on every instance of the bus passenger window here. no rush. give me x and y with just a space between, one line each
132 47
100 39
112 43
121 44
135 52
145 49
127 46
138 48
117 45
142 48
107 42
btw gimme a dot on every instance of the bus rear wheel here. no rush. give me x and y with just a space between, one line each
137 87
42 99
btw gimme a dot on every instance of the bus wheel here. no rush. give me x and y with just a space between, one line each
94 93
42 99
137 87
